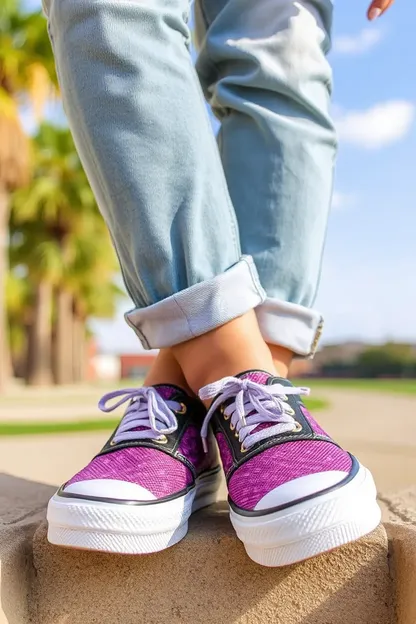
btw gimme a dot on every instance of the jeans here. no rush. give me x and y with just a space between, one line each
203 234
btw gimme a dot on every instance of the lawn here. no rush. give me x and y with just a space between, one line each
104 424
392 386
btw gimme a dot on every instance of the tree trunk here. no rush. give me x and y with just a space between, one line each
64 339
5 365
79 348
39 362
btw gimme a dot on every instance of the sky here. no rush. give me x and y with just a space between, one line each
368 284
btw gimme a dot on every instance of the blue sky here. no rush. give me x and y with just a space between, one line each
368 287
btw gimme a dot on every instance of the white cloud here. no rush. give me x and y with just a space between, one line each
365 40
342 201
378 126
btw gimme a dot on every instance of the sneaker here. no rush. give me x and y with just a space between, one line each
137 494
293 492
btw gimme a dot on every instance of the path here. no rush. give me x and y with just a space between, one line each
379 428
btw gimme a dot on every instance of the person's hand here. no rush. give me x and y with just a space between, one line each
377 8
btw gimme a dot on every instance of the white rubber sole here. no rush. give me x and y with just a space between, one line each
127 528
312 527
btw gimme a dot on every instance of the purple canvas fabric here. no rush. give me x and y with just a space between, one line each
257 376
151 468
226 457
191 448
154 470
166 392
311 420
280 464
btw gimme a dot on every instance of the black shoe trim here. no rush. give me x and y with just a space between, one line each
116 501
265 512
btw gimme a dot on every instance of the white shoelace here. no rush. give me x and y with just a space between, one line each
147 409
253 404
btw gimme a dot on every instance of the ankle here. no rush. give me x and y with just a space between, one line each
225 351
282 359
166 370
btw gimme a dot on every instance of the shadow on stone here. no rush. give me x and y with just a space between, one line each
22 507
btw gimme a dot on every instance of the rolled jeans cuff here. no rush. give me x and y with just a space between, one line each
290 325
199 308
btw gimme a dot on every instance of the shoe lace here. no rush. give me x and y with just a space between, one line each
147 417
253 404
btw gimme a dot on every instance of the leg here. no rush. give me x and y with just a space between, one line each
136 111
293 493
139 122
263 68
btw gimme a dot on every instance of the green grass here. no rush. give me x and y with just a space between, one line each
82 426
392 386
35 428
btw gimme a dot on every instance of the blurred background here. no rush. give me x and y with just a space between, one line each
63 340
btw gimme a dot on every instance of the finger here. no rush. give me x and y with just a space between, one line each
377 8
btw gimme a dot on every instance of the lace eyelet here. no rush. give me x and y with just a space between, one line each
162 440
292 411
298 427
243 449
112 443
237 435
182 410
232 427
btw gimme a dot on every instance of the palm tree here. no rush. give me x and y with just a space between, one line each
26 75
60 237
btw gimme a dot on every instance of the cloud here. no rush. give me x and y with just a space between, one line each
376 127
364 41
342 201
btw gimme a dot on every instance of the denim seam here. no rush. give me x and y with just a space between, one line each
184 315
256 281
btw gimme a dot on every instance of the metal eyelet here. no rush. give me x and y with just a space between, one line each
292 411
237 435
162 440
112 443
243 449
182 410
232 427
298 427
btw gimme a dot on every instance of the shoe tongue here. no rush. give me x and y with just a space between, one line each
169 392
258 376
264 378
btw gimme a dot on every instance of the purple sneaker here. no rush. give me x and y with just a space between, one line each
293 493
137 494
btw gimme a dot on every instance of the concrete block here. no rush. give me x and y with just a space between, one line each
207 578
402 538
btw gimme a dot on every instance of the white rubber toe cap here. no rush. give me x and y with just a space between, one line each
111 488
299 488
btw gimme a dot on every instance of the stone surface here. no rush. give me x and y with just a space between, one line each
208 577
399 507
402 538
22 505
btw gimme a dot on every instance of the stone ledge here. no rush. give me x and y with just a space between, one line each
209 578
205 578
402 540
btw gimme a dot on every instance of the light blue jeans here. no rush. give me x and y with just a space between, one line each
205 234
